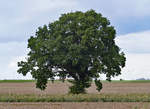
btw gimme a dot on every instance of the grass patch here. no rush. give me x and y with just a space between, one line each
77 98
16 81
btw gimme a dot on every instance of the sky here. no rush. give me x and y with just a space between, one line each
20 19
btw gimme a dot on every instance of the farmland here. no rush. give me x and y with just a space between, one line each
28 87
22 94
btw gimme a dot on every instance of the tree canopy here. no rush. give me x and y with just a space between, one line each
79 45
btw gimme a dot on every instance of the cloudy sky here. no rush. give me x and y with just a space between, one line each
19 20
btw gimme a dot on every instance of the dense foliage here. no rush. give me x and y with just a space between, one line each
78 45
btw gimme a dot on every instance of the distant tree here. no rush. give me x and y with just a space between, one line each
121 79
78 45
141 79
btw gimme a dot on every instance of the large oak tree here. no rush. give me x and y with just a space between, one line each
79 45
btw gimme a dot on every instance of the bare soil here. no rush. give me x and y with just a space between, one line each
62 88
98 105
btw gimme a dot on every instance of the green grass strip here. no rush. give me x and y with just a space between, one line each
16 81
77 98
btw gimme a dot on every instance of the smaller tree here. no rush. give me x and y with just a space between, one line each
79 46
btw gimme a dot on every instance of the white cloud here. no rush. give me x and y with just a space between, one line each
11 53
13 48
12 74
137 50
137 66
13 62
135 42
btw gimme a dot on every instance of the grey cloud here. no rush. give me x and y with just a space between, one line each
20 18
120 8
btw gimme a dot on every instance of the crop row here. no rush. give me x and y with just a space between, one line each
77 98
